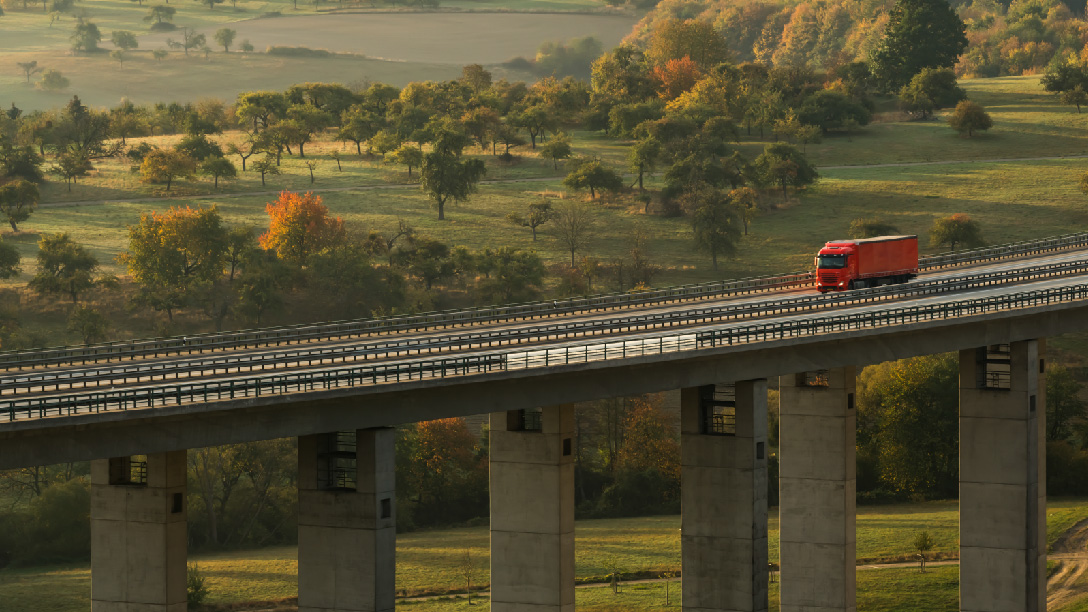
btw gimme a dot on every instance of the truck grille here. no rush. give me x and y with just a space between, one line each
829 279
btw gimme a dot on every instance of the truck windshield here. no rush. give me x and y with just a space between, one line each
831 261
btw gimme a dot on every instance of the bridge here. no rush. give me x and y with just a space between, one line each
134 408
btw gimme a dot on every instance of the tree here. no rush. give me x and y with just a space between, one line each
408 155
970 117
930 89
160 14
592 174
556 149
1063 403
225 37
190 39
832 110
175 256
53 80
1069 80
358 125
218 167
715 224
785 166
21 163
920 34
675 77
163 166
444 176
299 226
64 267
266 165
260 287
513 276
908 421
158 54
923 543
124 40
88 324
246 46
86 37
211 3
1076 96
958 229
574 226
643 157
476 77
692 38
71 165
306 121
29 69
870 228
17 199
539 213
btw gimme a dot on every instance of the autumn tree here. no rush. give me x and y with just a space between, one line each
592 174
644 157
575 227
539 213
18 198
476 78
299 225
970 117
783 165
715 223
225 38
218 168
675 77
408 155
163 166
445 176
174 256
931 89
64 267
70 165
443 470
557 148
695 39
956 230
920 34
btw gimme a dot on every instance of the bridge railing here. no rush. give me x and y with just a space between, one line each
454 318
101 375
528 359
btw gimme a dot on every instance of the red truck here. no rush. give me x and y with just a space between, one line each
866 262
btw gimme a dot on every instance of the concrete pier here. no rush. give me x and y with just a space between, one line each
724 498
817 489
532 510
346 522
1003 478
138 533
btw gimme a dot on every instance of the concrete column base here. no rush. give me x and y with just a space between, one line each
724 498
1003 479
532 512
347 537
138 535
817 491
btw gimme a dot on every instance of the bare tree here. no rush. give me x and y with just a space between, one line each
574 226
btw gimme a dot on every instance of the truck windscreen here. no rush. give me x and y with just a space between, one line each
831 261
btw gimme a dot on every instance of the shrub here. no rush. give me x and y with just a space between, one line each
53 80
196 591
297 52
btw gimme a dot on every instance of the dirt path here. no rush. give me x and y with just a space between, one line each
276 192
1071 551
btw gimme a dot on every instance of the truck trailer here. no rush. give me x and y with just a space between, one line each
866 262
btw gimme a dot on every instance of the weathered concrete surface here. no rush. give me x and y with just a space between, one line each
532 514
346 548
724 502
86 437
817 489
138 538
1003 485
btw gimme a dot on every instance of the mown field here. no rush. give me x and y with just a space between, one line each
433 562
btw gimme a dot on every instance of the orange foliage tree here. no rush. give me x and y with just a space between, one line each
442 472
675 77
299 226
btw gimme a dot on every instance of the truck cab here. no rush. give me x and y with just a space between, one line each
836 266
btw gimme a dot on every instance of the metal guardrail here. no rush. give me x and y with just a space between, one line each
370 375
455 318
96 376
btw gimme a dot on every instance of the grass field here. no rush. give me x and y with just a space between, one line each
432 561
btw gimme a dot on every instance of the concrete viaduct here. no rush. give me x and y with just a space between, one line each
719 348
